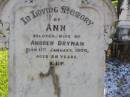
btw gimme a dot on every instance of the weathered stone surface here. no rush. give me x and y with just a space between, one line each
4 27
57 47
4 31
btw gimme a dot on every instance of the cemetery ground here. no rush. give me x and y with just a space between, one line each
117 78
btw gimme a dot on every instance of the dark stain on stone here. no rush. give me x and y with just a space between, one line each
29 1
32 79
84 2
55 79
41 75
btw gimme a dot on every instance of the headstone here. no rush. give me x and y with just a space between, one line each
57 47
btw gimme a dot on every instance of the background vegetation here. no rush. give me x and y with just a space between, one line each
3 73
115 2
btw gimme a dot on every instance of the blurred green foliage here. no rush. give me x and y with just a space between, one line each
115 3
3 73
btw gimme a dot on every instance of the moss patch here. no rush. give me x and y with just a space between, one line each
4 73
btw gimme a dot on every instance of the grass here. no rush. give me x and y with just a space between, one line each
115 3
3 73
